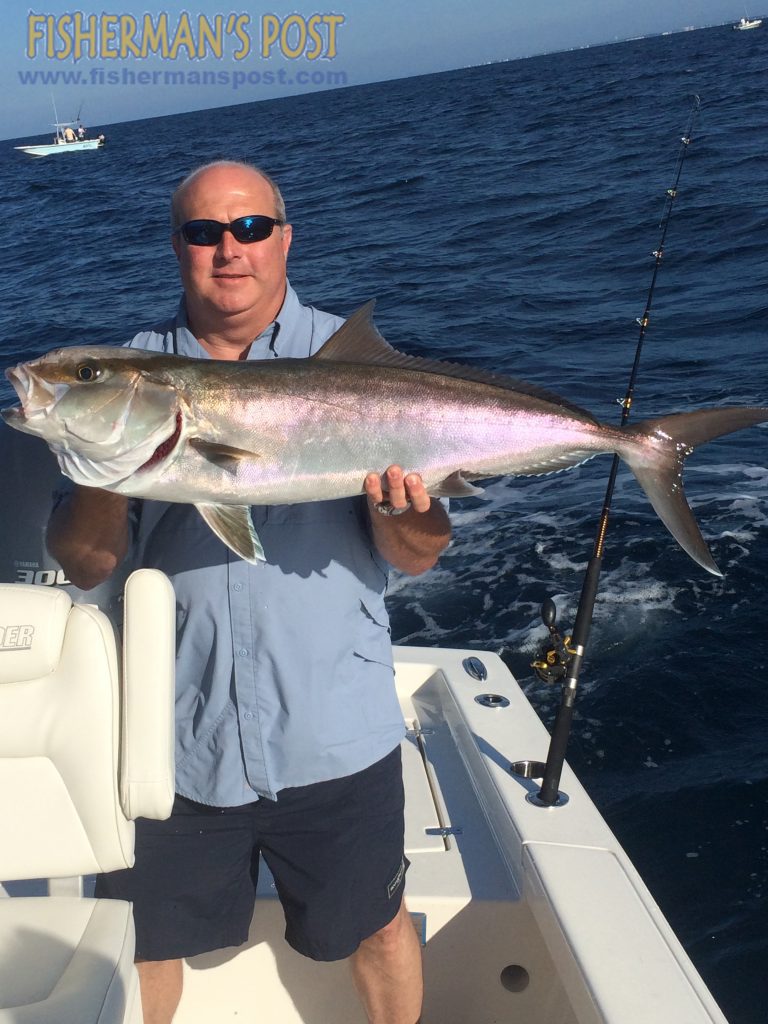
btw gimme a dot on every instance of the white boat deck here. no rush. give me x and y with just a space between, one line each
530 914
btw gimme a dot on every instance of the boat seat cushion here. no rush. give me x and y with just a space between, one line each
67 961
32 625
59 742
84 748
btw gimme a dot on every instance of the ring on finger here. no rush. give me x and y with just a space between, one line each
386 508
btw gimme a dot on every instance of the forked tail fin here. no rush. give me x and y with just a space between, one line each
656 455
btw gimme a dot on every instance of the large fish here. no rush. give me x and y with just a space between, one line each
226 435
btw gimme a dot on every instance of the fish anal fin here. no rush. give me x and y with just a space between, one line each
232 524
222 455
455 486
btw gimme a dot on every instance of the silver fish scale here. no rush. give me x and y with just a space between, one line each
314 431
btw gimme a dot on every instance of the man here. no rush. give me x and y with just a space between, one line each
286 715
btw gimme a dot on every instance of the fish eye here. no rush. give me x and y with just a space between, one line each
87 372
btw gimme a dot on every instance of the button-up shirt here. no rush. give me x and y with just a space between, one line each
284 669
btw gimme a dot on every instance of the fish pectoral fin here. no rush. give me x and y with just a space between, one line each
232 524
222 455
455 486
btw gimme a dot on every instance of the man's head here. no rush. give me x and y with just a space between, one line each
232 285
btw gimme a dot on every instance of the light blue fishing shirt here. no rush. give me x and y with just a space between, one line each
284 669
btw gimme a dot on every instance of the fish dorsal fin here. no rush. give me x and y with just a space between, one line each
359 341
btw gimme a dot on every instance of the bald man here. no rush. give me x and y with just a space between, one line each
288 727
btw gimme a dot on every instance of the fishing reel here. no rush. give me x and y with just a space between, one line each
554 654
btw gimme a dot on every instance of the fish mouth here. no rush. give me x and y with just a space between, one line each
16 375
13 416
19 380
35 395
165 448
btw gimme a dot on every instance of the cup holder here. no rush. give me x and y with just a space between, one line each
528 769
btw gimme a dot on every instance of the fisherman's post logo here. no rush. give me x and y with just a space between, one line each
77 35
231 50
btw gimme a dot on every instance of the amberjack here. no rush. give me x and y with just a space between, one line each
226 435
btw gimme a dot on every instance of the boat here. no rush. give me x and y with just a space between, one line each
68 137
746 23
60 142
525 911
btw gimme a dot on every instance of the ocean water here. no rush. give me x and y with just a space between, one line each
505 216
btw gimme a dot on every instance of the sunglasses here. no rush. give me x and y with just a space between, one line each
245 229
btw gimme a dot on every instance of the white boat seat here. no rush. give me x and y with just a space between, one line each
86 746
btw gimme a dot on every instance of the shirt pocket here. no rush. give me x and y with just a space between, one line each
372 640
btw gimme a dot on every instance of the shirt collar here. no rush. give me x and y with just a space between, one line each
275 340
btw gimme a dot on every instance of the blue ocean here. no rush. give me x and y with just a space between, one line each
505 216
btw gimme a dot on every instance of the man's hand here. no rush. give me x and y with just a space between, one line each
88 535
411 540
398 490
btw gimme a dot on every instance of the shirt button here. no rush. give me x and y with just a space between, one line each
243 652
248 715
237 586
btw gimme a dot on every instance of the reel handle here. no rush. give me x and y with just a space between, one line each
549 613
551 664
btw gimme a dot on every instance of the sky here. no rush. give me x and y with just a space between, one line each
123 63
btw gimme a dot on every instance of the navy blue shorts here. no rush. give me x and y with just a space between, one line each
335 850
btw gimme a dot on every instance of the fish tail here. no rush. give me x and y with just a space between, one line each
656 455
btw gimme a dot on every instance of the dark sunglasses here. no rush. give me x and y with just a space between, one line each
245 229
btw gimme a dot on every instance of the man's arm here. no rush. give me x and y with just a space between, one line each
412 541
88 535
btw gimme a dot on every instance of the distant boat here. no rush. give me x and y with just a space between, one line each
69 137
64 141
745 23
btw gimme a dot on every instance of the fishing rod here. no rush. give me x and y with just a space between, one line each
564 657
